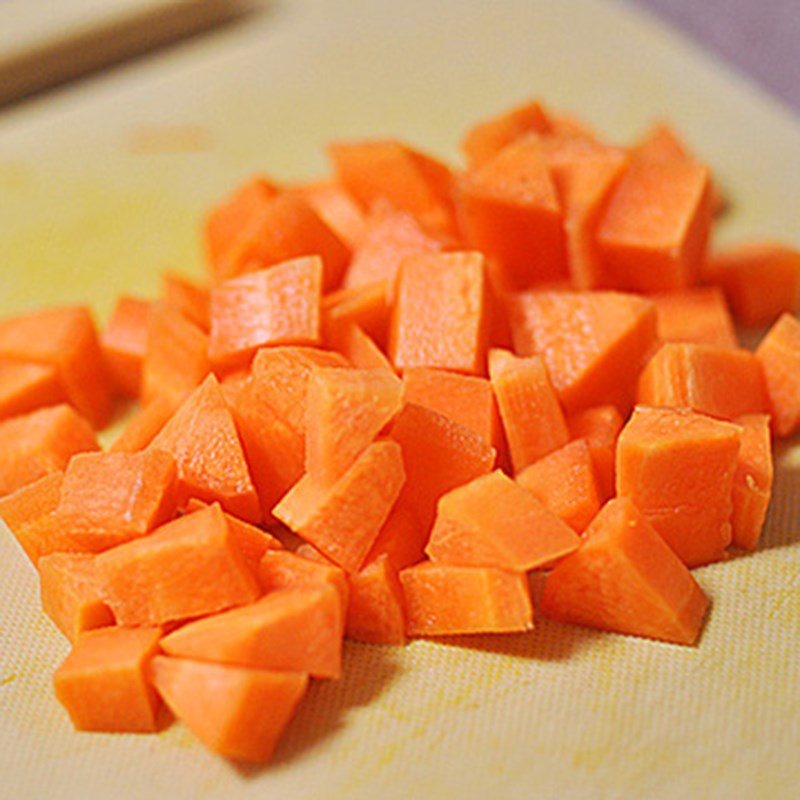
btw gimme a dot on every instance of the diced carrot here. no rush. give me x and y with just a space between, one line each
143 426
722 382
402 539
176 360
365 306
190 298
699 315
27 514
36 444
338 210
103 683
343 520
565 482
70 593
444 599
297 629
465 399
233 384
509 210
779 354
187 568
654 233
124 343
235 712
624 578
278 569
279 305
569 125
284 229
487 138
752 484
440 315
438 455
594 344
600 427
409 180
375 612
678 467
27 387
532 418
494 522
345 411
760 279
67 339
358 348
202 439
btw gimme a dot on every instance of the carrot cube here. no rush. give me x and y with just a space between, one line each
366 306
752 483
779 354
402 539
338 210
278 569
699 315
190 298
26 387
358 348
375 611
124 343
143 426
600 427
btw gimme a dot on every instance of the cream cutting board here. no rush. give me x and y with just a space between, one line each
103 184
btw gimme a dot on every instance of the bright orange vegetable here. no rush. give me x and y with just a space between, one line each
624 578
365 306
358 348
224 706
28 513
337 209
278 569
143 426
402 539
375 612
752 483
124 343
779 354
599 427
188 297
699 315
26 387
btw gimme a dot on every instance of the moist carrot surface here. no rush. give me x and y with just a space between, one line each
25 387
752 483
189 297
779 355
699 315
600 427
28 514
124 343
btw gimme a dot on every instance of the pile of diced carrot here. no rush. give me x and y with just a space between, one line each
403 389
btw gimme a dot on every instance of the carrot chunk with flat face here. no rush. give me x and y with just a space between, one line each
532 417
699 315
440 315
187 568
366 306
65 338
103 683
298 629
70 593
345 411
722 382
27 514
202 439
25 387
143 426
565 482
108 499
761 280
593 343
494 522
752 484
343 520
678 468
278 569
358 348
402 539
654 233
599 427
779 354
375 611
190 298
444 599
624 578
36 444
338 209
124 343
235 712
279 305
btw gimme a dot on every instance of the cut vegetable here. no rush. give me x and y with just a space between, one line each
27 387
124 343
28 513
752 484
600 427
144 425
779 354
699 315
365 306
278 569
337 209
188 297
375 612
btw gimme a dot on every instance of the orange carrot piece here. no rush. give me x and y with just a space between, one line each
600 427
286 228
445 599
719 381
358 348
365 306
337 209
190 298
440 316
494 522
565 482
465 399
28 514
297 629
124 343
278 569
343 520
509 210
67 339
176 359
779 354
108 499
27 387
699 315
70 593
752 483
224 706
402 539
678 468
187 568
143 426
532 417
345 411
279 305
438 455
624 578
202 439
761 280
376 612
654 233
594 344
36 444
